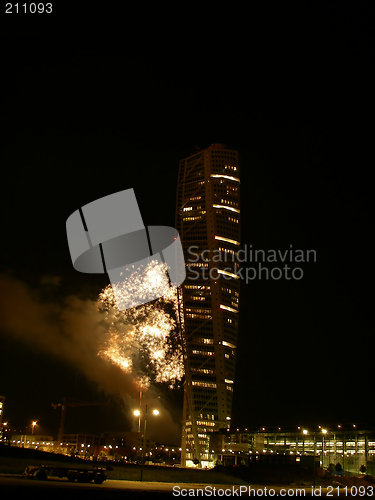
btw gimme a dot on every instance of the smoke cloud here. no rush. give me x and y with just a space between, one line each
74 329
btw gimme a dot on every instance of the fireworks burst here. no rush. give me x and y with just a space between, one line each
144 340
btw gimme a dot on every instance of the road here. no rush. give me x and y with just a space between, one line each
11 486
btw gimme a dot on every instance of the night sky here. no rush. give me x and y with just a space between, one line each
86 117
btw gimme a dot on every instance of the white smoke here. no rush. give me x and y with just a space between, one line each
74 330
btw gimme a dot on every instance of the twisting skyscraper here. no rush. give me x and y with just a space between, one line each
208 220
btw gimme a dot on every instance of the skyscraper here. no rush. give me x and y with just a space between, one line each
208 221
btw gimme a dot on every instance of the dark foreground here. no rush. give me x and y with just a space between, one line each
11 487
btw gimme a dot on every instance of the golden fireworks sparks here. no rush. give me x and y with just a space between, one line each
143 340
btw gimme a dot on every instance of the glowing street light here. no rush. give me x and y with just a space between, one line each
3 428
137 413
33 424
324 432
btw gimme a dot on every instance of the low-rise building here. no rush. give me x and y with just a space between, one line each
350 446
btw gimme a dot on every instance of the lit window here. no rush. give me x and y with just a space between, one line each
227 208
232 275
228 344
221 238
229 177
204 384
227 308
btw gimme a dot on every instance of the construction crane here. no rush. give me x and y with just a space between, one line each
64 406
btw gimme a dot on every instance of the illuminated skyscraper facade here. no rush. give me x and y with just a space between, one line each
208 221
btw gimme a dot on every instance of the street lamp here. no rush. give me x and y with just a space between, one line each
3 431
33 424
304 432
137 414
324 431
